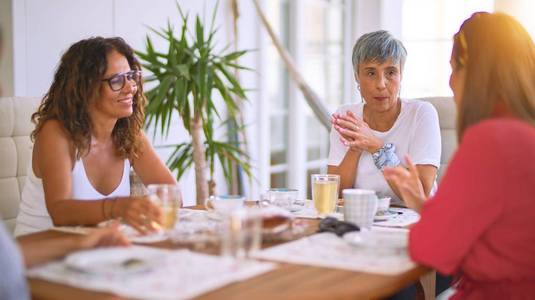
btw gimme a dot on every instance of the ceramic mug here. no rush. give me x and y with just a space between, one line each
360 206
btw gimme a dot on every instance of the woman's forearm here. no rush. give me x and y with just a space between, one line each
426 176
46 246
347 170
78 212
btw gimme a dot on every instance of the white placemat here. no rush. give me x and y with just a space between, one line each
180 274
328 250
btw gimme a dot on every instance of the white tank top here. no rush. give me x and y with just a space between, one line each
33 215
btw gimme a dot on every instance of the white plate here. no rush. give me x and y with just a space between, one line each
385 216
378 239
148 239
134 236
114 261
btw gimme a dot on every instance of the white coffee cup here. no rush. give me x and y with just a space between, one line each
383 204
360 206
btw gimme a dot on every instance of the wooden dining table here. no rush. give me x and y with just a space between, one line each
287 281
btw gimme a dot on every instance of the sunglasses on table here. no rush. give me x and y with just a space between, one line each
117 81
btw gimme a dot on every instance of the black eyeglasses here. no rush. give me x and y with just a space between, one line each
339 228
117 82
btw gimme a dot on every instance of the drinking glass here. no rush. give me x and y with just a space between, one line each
281 197
169 199
241 233
325 192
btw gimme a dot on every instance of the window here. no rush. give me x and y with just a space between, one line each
323 68
277 87
320 50
427 29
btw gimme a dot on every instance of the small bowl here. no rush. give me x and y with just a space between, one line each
382 205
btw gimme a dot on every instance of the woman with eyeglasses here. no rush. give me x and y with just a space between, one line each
480 225
88 134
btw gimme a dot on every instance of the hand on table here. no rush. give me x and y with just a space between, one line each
44 246
104 237
408 183
355 133
140 213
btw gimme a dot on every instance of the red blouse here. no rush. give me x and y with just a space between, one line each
480 225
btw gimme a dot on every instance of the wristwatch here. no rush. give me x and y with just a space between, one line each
386 157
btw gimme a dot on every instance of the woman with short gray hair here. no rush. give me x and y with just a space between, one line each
383 129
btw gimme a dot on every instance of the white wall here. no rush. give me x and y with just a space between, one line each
6 61
522 10
43 30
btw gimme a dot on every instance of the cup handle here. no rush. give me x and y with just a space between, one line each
208 203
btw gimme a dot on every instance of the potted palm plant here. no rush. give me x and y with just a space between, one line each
187 78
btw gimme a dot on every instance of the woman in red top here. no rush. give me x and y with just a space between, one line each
480 225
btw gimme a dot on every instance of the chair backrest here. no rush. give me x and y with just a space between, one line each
15 152
447 115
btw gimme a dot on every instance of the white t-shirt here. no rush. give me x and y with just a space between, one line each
416 132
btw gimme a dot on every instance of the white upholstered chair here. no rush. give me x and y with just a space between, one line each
447 115
15 152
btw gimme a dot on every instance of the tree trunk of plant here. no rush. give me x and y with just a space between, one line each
199 160
211 187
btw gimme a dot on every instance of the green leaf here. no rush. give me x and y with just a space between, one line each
234 55
187 74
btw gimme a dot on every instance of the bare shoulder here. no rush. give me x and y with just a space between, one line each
145 147
53 136
143 138
52 146
52 128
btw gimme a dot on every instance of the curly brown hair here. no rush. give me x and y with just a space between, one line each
77 83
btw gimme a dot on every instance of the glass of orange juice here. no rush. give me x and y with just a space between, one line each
169 199
325 193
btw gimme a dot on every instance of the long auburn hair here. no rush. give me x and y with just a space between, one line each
499 57
77 83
